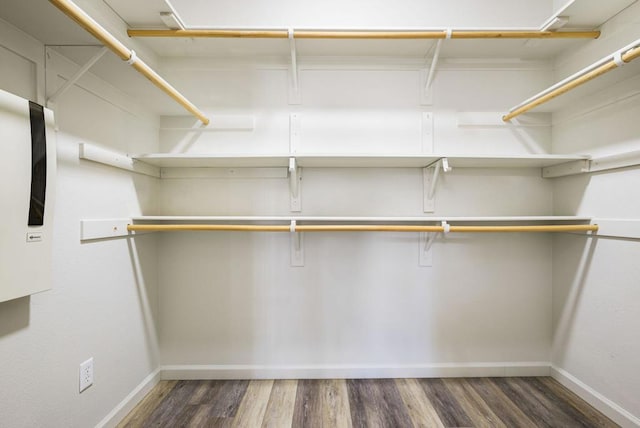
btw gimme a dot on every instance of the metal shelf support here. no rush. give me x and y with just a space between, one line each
295 176
430 176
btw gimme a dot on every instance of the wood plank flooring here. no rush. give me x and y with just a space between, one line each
355 403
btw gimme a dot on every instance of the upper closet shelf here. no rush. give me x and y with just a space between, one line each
354 160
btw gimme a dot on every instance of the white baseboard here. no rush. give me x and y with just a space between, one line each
131 400
183 372
593 397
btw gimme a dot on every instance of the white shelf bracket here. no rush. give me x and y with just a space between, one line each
73 79
117 160
426 245
426 248
430 177
432 68
104 229
297 247
295 176
427 90
294 87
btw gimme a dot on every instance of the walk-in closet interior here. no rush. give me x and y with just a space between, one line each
337 190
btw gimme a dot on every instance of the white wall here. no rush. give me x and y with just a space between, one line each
595 282
364 13
361 302
104 298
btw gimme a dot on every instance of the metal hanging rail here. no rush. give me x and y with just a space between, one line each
611 62
89 24
356 228
373 34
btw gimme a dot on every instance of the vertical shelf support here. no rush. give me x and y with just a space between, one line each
297 246
430 176
294 132
427 132
294 87
295 176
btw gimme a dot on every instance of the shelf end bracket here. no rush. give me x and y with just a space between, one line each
295 176
430 177
294 87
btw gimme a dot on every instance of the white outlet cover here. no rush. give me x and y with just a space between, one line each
86 374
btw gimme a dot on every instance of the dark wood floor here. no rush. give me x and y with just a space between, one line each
468 402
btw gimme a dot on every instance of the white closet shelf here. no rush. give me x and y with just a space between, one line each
424 219
354 160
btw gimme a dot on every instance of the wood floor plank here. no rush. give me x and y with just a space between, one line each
201 418
563 394
254 404
376 403
563 414
279 412
308 406
171 406
537 407
203 389
420 409
149 403
473 405
335 404
449 410
226 401
500 404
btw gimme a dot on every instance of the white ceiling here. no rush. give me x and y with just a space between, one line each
44 22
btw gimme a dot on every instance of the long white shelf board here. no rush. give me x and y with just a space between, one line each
353 160
287 219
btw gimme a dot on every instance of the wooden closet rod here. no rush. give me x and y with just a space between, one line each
106 38
373 34
622 58
356 228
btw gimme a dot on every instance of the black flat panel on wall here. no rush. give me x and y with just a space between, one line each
38 164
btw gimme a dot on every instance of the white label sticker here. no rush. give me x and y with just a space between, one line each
34 237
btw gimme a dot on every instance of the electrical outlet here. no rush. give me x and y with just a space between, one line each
86 374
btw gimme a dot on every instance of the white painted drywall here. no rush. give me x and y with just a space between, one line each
363 13
595 282
361 300
104 299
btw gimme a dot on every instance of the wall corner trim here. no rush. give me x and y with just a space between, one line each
612 410
130 401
